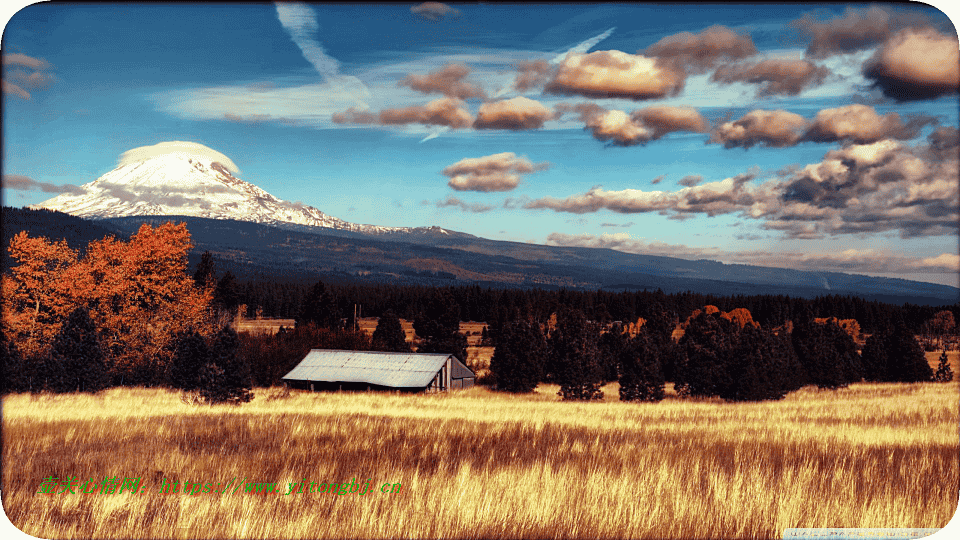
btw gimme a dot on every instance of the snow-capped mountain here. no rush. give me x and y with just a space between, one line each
188 179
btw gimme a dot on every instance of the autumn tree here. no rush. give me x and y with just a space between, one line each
38 293
17 374
389 334
141 297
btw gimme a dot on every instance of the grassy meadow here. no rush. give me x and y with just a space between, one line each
480 464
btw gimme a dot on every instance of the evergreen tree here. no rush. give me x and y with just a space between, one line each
894 355
706 344
226 296
944 372
762 366
205 275
76 362
438 327
517 362
389 334
641 378
17 374
191 354
320 308
574 354
827 353
225 378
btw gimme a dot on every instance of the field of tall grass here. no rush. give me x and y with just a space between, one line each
480 464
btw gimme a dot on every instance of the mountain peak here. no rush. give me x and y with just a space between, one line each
189 179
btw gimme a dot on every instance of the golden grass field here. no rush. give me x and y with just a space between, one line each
480 464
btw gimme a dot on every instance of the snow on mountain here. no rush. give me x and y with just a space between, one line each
188 179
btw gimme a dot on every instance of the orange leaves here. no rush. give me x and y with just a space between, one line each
138 292
741 316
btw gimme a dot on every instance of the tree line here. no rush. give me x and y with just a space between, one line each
285 300
129 313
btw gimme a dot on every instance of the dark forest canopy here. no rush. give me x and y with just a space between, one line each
284 300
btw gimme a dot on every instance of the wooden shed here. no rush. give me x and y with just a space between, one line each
324 369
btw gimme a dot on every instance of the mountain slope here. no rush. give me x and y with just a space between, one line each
179 178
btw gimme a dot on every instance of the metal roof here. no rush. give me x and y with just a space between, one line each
393 369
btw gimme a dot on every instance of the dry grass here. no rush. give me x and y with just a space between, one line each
485 465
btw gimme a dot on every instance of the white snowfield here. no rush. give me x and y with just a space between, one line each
188 184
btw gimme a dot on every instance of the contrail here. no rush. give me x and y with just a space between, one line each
436 133
583 47
300 22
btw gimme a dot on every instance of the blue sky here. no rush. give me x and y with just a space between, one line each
803 136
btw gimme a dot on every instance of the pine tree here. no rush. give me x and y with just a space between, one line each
76 362
389 334
225 378
517 362
573 349
893 355
320 308
205 275
190 356
641 377
438 327
16 376
706 343
944 372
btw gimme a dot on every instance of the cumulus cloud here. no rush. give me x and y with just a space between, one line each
690 180
449 112
518 113
856 30
19 182
714 198
697 53
615 74
639 127
860 189
773 76
532 75
497 172
664 119
768 128
474 208
23 73
447 81
915 64
861 124
185 148
852 123
434 11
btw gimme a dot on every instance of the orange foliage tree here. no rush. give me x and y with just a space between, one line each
38 293
741 316
138 293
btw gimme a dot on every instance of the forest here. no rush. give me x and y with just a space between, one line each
132 313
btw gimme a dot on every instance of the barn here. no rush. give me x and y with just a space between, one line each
324 369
